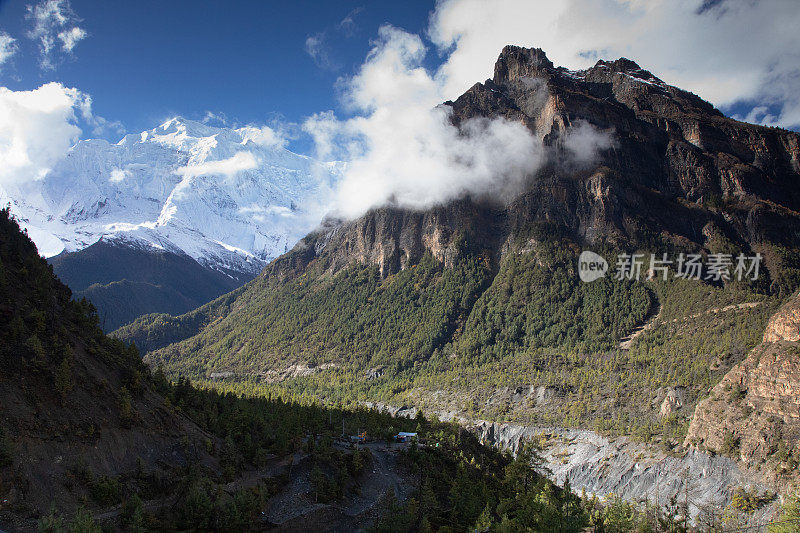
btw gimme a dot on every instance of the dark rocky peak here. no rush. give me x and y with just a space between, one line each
527 70
624 65
516 63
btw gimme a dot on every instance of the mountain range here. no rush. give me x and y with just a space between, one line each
475 307
167 219
472 309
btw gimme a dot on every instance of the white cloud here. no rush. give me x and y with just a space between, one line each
317 47
37 128
224 167
348 24
403 148
54 21
99 125
260 213
728 52
324 129
117 175
215 119
583 143
8 47
70 38
262 136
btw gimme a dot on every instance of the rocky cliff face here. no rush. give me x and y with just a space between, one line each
753 414
677 168
394 238
785 325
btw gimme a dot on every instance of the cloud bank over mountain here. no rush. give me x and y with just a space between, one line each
403 148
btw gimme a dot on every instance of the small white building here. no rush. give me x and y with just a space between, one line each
405 436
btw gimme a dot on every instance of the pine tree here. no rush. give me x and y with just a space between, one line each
63 379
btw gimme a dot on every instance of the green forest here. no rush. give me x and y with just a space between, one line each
451 337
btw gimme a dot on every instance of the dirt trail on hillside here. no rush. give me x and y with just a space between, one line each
649 323
294 509
732 307
654 314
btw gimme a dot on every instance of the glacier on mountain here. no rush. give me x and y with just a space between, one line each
232 199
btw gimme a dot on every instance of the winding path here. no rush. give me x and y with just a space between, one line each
655 312
649 323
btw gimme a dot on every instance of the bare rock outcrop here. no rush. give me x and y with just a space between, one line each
632 470
674 399
785 325
753 414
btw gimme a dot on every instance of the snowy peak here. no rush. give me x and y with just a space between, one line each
229 198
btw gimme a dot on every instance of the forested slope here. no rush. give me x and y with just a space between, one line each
125 281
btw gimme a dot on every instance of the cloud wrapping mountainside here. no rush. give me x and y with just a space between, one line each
404 149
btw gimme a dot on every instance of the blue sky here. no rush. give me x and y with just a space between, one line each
147 60
279 63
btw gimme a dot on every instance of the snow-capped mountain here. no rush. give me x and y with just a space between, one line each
232 199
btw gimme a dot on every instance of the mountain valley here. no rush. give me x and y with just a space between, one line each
273 365
475 307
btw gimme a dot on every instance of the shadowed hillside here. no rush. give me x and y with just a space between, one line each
125 282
